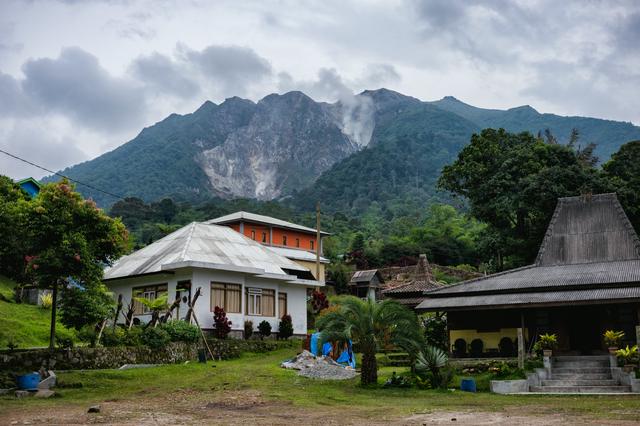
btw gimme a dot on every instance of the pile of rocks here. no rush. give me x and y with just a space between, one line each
323 368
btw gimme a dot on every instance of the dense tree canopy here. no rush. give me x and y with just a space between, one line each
623 172
512 183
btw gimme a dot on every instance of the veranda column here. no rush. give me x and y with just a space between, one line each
520 348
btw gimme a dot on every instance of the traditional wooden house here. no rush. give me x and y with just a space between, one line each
366 284
411 294
30 186
585 280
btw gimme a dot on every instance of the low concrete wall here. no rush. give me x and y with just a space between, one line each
83 358
509 386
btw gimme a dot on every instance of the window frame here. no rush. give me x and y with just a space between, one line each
283 296
143 291
253 234
284 240
255 301
227 288
311 244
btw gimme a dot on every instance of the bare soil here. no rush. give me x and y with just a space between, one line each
249 408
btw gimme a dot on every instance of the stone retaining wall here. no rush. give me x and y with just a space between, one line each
82 358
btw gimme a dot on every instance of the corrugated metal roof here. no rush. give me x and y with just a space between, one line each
588 229
258 218
207 244
518 299
532 277
297 254
363 276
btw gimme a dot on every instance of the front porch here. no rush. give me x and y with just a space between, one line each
495 333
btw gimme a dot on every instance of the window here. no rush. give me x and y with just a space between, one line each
311 244
264 237
297 242
253 234
183 291
284 240
282 304
150 292
227 297
261 302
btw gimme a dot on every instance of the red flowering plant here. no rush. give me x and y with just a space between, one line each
222 325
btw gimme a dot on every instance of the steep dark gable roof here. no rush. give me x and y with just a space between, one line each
590 252
365 276
588 229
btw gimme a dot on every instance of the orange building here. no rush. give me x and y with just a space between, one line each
296 242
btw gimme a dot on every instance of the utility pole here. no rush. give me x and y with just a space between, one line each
318 242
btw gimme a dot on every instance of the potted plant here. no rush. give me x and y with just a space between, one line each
546 343
628 357
613 339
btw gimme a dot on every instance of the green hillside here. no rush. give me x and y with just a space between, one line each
24 325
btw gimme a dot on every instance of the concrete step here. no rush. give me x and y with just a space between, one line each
582 376
581 389
572 358
579 382
577 364
561 370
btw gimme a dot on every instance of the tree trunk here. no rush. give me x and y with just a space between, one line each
52 333
369 372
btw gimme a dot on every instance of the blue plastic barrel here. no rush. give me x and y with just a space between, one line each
468 385
28 381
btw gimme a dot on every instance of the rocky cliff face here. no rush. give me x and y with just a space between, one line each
289 141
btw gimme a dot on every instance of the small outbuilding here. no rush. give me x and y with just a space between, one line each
366 284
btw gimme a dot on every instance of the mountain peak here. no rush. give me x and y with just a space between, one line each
207 106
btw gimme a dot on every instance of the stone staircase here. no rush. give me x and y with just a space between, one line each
580 374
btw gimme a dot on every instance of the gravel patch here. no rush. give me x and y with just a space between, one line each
323 368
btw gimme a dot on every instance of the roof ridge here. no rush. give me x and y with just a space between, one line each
186 244
549 232
627 224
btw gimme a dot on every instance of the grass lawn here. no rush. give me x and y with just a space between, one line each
25 325
255 388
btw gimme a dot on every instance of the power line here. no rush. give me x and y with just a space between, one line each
61 175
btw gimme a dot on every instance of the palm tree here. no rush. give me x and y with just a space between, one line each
370 325
156 306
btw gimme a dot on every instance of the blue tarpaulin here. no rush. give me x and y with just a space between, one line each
346 357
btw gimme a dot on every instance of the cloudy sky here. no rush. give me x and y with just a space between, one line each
80 77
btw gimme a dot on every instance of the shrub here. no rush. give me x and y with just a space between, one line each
46 300
181 331
64 342
318 301
435 331
132 336
265 329
248 329
88 335
285 328
397 381
112 337
613 338
430 363
222 325
155 337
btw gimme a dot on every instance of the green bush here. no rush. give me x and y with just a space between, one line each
132 336
264 328
248 329
112 337
88 335
181 331
285 329
64 342
155 337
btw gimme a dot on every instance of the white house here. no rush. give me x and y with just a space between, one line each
232 271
